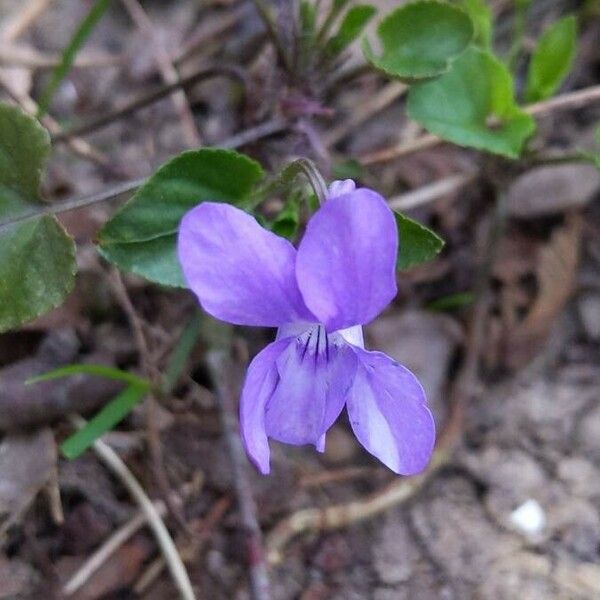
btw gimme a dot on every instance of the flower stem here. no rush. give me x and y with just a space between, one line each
314 177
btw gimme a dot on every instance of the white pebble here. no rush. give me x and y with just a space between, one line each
530 517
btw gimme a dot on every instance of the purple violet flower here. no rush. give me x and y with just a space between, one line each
319 296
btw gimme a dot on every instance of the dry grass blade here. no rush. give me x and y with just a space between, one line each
380 101
431 192
22 56
110 458
23 19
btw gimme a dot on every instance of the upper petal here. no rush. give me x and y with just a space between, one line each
389 415
240 272
347 259
261 380
340 187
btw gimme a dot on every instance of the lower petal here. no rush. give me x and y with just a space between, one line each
389 414
261 380
315 373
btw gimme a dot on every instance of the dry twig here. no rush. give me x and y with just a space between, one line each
149 98
116 540
111 459
430 192
23 56
190 549
209 30
386 96
22 20
423 142
110 546
167 71
152 373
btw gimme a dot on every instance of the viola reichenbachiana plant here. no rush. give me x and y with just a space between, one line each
195 223
319 296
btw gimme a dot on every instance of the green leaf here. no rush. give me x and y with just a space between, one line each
89 369
418 244
473 105
350 28
37 269
155 260
286 223
552 59
141 236
419 40
37 257
481 16
112 414
24 148
82 33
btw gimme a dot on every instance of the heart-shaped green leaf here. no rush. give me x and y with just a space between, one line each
418 244
419 40
473 105
141 236
37 257
552 59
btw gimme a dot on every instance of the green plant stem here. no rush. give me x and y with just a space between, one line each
286 177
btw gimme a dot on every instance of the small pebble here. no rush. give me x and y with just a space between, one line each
530 517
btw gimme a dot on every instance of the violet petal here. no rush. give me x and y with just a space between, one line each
261 380
240 272
341 187
389 414
315 373
346 261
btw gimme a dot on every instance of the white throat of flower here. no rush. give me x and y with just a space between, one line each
351 335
